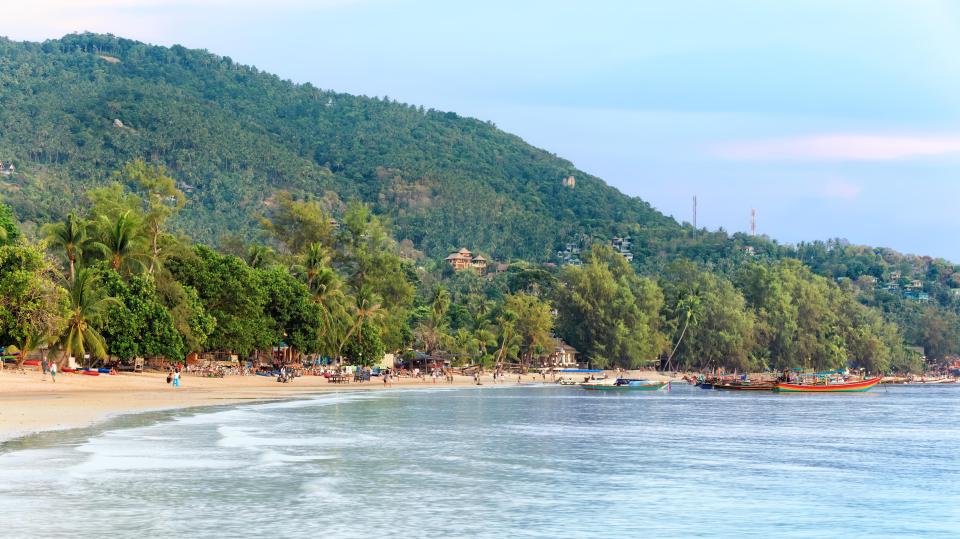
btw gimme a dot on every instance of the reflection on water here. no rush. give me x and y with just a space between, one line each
499 462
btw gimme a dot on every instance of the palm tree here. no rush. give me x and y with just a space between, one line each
508 335
690 306
315 262
366 308
70 237
88 307
258 256
326 290
122 241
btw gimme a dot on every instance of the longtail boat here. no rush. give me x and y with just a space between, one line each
624 383
845 387
745 386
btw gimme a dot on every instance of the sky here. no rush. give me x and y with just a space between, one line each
830 118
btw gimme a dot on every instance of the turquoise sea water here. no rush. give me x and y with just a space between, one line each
504 462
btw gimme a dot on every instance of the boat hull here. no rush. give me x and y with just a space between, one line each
853 387
624 387
738 387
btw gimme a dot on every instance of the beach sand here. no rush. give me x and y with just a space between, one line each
29 404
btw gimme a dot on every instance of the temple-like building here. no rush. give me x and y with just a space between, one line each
464 259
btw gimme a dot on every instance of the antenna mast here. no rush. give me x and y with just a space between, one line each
753 221
694 213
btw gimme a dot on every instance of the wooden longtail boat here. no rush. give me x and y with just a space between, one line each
621 384
847 387
758 386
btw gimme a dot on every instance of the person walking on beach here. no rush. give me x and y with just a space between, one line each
44 368
176 378
53 372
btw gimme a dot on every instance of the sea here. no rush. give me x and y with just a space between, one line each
502 462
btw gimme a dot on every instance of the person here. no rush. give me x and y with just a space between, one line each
53 372
44 367
169 375
176 379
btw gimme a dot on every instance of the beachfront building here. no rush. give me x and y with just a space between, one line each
464 259
562 356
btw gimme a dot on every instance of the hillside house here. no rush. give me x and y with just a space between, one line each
464 259
622 247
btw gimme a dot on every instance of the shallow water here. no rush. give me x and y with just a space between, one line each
504 462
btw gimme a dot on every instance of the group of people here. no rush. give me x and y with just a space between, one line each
173 375
49 367
435 374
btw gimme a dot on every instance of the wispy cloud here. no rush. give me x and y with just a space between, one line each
842 147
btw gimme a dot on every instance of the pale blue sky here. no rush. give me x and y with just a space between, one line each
832 118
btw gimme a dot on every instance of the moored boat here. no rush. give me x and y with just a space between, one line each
843 387
745 386
625 383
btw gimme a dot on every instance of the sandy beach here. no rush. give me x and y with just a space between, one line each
28 404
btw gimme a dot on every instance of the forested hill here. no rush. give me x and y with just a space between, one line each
75 109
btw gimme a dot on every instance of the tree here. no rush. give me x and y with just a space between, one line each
804 320
122 241
431 332
609 312
258 256
299 223
368 257
366 311
33 307
193 322
230 292
296 318
70 238
163 200
533 325
716 329
88 307
139 325
9 233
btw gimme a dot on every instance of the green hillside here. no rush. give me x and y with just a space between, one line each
75 109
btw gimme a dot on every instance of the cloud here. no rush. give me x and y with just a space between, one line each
842 147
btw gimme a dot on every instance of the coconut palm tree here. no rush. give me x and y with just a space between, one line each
70 238
315 262
689 305
508 334
258 256
366 308
88 307
123 242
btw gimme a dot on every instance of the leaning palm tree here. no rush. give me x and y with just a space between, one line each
123 242
508 334
690 306
70 238
88 307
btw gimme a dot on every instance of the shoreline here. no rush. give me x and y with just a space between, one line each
29 405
